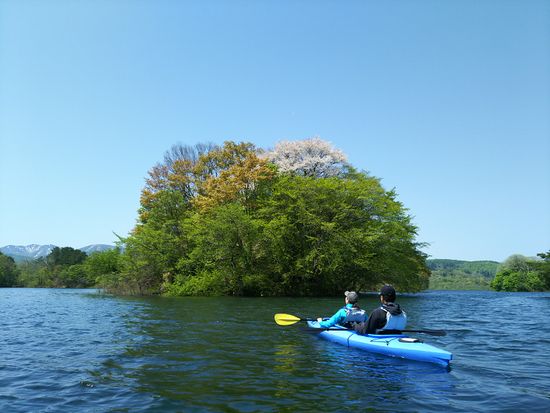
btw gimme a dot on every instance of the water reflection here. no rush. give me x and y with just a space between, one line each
195 356
286 357
381 380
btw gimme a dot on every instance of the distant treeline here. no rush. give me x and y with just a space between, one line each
70 268
461 275
63 268
516 273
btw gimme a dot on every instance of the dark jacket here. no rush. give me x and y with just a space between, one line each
377 319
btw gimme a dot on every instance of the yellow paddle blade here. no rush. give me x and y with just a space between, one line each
286 319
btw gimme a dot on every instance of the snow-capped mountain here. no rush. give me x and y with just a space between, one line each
34 251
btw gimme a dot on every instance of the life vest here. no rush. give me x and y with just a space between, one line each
354 315
394 322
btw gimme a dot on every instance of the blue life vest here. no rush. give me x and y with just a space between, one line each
354 316
394 322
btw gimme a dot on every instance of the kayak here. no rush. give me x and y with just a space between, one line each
393 345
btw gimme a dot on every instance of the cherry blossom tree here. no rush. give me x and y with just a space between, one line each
309 157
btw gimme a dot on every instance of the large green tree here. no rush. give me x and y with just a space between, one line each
327 234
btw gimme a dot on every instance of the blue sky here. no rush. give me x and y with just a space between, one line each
447 102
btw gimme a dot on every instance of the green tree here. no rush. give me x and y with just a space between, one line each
543 268
54 269
74 276
103 263
219 176
34 274
8 271
65 256
518 273
149 258
224 257
332 233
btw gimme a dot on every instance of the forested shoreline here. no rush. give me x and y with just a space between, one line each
297 220
449 274
69 268
516 273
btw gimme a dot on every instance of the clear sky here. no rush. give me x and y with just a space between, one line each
448 102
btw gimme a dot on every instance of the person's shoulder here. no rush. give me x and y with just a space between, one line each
378 311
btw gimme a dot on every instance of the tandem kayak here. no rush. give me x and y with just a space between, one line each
393 345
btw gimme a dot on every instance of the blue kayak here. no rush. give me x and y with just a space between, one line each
393 345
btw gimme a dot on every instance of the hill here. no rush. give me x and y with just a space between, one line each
461 275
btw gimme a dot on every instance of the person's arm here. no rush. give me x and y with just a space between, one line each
335 319
376 320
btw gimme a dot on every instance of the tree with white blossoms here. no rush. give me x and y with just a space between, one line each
312 157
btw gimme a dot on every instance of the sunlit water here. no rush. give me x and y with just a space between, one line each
82 351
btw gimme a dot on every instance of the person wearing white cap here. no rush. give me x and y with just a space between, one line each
349 315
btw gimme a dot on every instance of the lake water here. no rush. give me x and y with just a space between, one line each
82 351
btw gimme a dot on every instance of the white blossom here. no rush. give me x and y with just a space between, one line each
309 157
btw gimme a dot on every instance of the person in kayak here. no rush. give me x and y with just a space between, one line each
389 316
349 315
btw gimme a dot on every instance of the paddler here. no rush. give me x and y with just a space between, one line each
389 316
349 315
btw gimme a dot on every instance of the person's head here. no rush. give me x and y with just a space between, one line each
351 297
387 294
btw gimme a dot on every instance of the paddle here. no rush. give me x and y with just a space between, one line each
289 319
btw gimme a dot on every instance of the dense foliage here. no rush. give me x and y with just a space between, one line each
66 268
461 275
519 273
236 220
8 271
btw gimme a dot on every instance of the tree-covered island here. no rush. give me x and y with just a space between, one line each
233 219
297 220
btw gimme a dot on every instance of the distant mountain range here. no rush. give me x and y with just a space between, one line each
34 251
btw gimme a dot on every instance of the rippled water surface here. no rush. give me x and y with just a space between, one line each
82 351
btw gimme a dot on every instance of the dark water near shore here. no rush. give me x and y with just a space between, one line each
81 351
